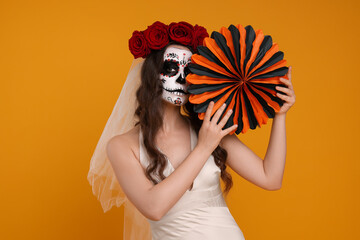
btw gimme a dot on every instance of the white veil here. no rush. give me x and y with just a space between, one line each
101 175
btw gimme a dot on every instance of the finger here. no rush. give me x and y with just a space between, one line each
218 113
225 118
284 89
289 73
286 82
229 129
208 112
284 97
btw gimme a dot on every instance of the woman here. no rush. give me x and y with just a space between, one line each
169 165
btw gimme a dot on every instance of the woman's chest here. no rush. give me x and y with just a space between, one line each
176 146
175 150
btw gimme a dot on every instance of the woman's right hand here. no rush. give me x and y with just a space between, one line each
211 133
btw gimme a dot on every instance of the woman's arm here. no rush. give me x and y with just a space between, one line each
267 173
274 160
154 201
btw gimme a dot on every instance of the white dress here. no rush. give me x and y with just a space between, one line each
201 213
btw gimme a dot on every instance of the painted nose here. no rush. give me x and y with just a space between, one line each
181 78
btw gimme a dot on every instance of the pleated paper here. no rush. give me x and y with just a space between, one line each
240 67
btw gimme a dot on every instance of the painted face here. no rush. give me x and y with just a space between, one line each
173 75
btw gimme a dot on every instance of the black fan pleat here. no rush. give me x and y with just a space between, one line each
199 108
264 47
267 109
221 42
277 100
238 104
277 57
205 52
201 88
227 102
250 112
275 73
236 42
203 71
250 37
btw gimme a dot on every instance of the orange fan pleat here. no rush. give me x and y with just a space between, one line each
200 98
231 106
275 106
245 118
218 103
229 41
259 112
196 79
269 101
237 110
277 65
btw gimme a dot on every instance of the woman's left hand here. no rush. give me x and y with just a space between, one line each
289 96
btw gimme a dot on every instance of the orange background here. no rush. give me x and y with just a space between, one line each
62 66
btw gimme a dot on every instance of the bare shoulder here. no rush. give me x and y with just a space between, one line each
228 141
126 143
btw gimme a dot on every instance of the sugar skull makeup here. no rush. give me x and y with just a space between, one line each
173 75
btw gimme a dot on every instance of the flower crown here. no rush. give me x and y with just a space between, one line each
158 35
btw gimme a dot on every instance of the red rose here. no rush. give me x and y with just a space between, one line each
156 35
199 34
181 32
138 46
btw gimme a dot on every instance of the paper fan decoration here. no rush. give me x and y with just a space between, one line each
240 67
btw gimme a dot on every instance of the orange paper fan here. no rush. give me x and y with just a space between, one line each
240 67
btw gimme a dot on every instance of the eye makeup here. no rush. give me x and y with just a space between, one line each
170 68
186 70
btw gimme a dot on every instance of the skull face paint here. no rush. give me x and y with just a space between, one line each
173 75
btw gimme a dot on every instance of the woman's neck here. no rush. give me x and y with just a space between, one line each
172 119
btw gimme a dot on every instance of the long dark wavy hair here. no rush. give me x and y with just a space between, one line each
150 115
